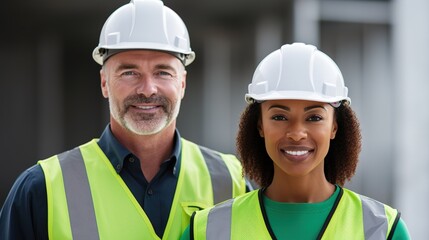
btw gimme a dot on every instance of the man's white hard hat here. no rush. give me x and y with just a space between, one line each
144 24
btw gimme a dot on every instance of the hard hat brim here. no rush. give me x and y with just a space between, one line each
294 95
98 56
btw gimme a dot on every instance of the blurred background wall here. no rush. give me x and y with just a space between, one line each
51 100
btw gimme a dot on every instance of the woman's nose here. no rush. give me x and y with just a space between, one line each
296 132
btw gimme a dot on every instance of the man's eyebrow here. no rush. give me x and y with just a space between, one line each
165 67
125 66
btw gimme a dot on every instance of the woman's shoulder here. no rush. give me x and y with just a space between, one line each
401 231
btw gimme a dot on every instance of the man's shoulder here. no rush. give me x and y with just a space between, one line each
29 185
24 212
31 179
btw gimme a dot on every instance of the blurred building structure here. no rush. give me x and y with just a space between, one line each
51 99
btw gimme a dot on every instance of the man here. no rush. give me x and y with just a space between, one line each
140 180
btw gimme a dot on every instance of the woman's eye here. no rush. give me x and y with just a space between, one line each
315 118
278 118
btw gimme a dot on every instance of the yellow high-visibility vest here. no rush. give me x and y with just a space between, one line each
353 217
87 199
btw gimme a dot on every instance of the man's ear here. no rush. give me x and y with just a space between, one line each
184 83
103 84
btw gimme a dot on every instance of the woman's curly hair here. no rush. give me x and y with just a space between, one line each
340 162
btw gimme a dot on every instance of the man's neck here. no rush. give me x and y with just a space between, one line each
152 150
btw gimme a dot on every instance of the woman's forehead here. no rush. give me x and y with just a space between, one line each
294 103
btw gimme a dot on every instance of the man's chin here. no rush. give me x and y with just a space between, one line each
142 129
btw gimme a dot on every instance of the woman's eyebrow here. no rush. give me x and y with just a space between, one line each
286 108
315 106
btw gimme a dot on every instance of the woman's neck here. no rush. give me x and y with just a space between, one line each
299 189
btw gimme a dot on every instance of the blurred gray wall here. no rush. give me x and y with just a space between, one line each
51 98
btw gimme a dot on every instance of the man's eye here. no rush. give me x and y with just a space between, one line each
128 73
164 74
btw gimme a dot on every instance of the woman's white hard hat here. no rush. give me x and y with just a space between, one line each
297 71
144 24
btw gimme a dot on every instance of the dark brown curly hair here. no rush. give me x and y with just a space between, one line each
340 162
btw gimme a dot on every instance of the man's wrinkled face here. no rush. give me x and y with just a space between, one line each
144 88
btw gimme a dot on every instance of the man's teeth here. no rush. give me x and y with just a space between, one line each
296 153
146 107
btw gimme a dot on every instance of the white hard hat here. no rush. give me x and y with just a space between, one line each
144 24
297 71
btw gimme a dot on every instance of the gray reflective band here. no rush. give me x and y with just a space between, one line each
219 175
374 219
219 221
78 194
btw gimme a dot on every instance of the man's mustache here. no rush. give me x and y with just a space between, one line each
136 99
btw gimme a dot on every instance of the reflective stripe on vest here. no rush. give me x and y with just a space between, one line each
219 175
375 221
82 215
220 216
78 194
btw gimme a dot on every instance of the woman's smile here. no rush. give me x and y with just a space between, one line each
297 154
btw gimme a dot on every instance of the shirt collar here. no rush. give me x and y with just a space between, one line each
117 153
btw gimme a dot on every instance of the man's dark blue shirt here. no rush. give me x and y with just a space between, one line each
24 213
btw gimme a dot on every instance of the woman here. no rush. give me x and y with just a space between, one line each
299 140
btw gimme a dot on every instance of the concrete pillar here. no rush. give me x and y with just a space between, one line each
411 48
306 21
268 37
217 121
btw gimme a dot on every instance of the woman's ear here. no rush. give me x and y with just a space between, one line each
334 129
260 129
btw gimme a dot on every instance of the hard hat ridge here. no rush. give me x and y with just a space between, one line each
297 71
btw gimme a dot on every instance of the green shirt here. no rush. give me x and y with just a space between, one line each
298 220
304 220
